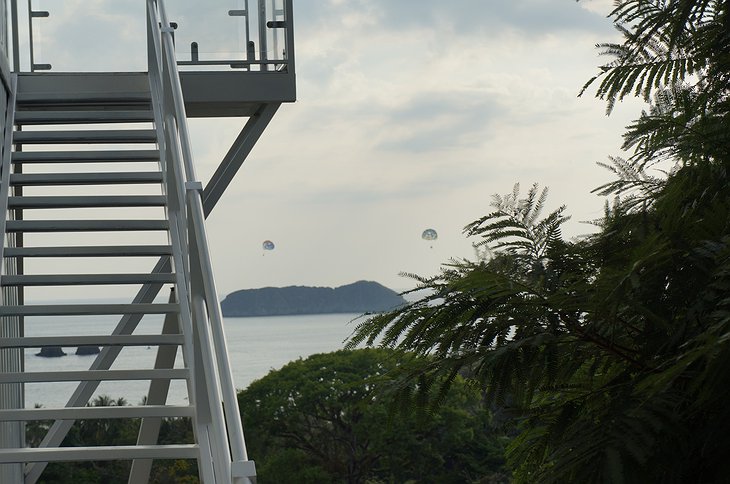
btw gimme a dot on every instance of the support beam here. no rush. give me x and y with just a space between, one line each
236 155
149 429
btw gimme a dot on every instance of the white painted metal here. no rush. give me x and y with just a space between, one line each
87 201
5 167
103 361
83 117
106 178
99 371
121 156
85 225
91 375
195 312
78 137
149 430
205 303
97 340
88 309
86 98
100 453
116 411
90 251
12 434
84 279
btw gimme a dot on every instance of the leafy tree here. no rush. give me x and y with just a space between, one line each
324 419
613 347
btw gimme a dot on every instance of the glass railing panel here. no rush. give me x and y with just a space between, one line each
89 36
217 35
239 34
111 35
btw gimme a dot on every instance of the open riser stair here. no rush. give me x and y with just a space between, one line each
67 189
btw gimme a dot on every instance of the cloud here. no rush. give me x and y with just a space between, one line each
410 114
440 120
533 18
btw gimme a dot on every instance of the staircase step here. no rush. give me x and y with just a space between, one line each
84 136
85 225
87 309
94 201
90 251
93 375
56 99
107 156
108 178
96 340
83 117
78 413
84 279
97 453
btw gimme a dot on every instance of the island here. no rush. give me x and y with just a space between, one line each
359 297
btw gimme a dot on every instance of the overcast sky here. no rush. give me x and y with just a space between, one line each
410 115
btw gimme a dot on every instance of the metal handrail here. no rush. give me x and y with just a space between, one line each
165 78
6 160
12 396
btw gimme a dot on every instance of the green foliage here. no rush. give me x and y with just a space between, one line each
614 348
326 419
665 43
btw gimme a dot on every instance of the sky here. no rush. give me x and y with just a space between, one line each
410 115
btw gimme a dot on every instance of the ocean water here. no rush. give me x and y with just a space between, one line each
256 345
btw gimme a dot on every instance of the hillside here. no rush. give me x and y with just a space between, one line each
359 297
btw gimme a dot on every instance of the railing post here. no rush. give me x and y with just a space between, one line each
263 41
14 34
289 13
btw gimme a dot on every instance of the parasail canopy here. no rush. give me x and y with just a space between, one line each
429 234
268 245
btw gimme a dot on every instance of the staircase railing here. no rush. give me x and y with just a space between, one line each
11 359
187 217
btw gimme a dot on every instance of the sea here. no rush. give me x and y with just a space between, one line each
256 346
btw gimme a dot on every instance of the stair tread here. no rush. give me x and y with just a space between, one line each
82 117
102 178
93 340
84 279
95 156
89 251
91 375
80 201
85 225
81 98
57 454
87 309
86 136
96 412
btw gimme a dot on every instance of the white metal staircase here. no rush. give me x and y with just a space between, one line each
54 176
116 166
98 194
